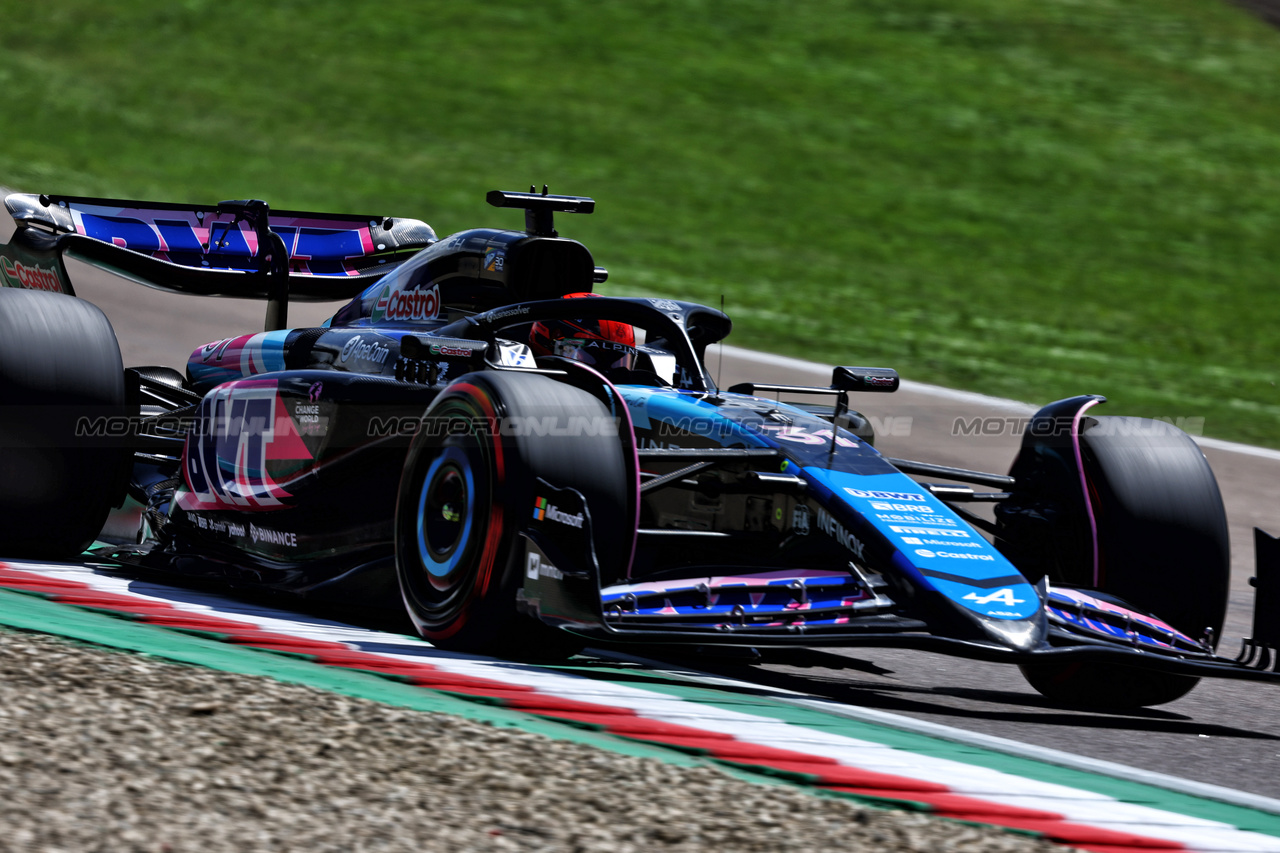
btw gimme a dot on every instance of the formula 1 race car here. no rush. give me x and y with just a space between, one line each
526 467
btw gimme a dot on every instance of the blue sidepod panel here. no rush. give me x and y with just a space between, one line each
933 544
669 413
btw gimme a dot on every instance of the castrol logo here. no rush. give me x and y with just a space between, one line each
406 305
17 274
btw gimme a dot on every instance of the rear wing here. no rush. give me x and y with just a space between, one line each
233 248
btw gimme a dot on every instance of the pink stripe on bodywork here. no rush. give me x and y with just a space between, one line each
1084 482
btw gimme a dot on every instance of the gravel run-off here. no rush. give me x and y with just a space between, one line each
113 751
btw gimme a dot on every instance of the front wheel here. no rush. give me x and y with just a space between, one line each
1162 547
469 485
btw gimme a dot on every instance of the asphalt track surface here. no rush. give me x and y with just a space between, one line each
1224 733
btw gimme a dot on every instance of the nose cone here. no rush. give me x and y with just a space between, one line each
1021 635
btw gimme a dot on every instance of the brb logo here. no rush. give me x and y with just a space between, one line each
239 429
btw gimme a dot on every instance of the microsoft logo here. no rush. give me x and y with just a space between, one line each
542 509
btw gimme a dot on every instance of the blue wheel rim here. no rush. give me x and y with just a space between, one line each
435 565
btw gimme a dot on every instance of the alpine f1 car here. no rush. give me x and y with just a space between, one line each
528 467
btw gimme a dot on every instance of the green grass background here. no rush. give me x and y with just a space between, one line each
1032 199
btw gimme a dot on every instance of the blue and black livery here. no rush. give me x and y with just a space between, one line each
415 450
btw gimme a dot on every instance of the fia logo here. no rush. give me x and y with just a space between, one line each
800 520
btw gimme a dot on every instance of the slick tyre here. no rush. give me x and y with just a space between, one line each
1162 548
60 375
469 486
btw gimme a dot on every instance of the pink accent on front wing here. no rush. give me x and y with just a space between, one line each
1115 609
713 582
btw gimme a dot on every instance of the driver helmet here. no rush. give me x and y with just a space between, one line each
603 344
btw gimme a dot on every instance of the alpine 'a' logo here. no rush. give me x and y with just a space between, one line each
1004 596
394 304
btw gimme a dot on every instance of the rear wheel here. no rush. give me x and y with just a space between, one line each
61 378
1162 548
469 485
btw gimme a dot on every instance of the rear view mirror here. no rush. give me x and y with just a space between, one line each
883 379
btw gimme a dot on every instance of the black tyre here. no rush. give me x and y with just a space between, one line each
1162 548
60 374
467 489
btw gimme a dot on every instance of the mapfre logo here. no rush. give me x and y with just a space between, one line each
406 305
17 274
